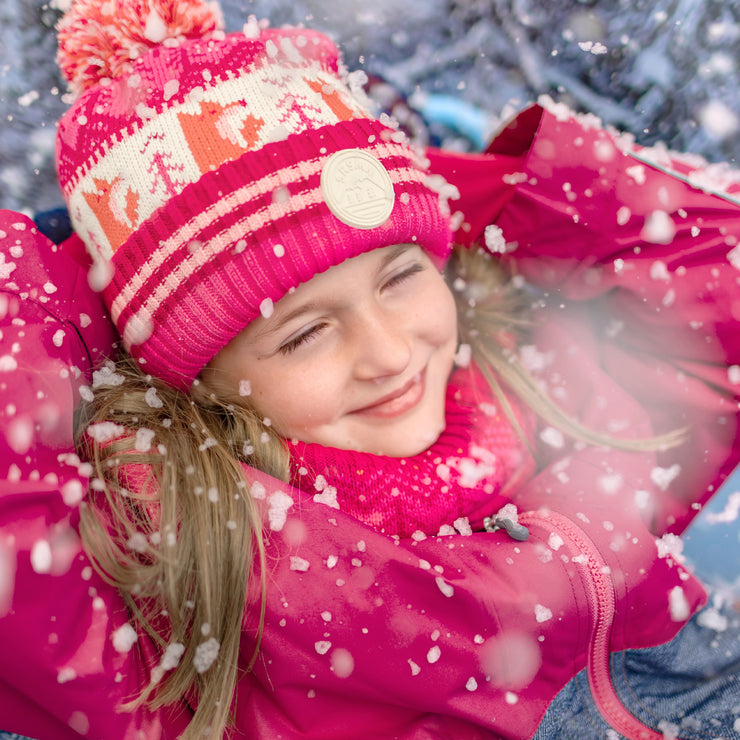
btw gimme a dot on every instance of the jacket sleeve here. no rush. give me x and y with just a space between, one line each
68 657
646 243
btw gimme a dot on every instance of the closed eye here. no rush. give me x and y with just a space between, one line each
404 275
304 337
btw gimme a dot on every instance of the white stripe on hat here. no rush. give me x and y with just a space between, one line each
194 260
240 197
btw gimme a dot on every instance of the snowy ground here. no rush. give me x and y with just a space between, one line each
666 70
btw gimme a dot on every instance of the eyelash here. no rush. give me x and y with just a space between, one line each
292 344
311 333
403 276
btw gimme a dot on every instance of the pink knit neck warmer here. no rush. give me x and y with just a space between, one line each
470 472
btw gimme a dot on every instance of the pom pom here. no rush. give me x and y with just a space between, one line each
101 38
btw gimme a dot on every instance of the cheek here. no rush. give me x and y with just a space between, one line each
283 409
445 314
269 393
298 398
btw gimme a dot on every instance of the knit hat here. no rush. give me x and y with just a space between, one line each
208 174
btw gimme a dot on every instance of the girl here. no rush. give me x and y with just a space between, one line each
317 497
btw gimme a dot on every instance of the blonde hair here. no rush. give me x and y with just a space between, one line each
181 543
492 311
182 547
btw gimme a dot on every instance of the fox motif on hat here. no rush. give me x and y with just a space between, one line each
198 169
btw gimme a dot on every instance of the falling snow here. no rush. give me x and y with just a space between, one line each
632 67
659 228
124 638
342 663
719 120
155 29
277 514
6 268
699 120
72 492
104 431
143 441
66 674
106 376
670 545
678 605
713 620
328 497
137 542
669 729
730 512
463 355
170 659
79 722
299 564
552 437
152 399
8 363
663 477
463 527
434 654
595 47
206 654
266 308
41 559
494 239
444 587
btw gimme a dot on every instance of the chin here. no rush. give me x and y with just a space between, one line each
411 443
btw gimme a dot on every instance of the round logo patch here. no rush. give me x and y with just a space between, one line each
357 188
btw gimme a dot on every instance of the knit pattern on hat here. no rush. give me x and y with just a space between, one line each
129 146
470 472
195 179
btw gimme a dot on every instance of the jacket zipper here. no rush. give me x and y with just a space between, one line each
600 594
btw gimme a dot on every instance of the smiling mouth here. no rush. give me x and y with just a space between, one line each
398 402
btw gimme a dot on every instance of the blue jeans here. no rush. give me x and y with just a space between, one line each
688 688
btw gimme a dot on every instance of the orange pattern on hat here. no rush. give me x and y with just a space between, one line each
219 133
115 205
340 109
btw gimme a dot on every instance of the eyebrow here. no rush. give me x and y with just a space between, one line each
280 321
393 253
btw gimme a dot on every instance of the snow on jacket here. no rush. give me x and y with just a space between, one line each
369 636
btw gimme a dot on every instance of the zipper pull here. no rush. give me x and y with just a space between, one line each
515 531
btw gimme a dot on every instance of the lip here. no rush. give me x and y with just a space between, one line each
399 401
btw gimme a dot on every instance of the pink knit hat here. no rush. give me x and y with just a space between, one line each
208 174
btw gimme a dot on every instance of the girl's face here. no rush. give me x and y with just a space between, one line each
356 358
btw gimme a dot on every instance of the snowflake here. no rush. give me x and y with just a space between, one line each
206 654
5 267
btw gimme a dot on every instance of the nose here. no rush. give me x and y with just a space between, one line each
383 347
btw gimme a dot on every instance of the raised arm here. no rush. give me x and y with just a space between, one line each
634 255
69 657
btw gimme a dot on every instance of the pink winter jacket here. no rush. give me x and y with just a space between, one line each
460 636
